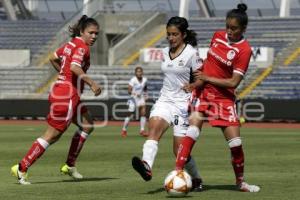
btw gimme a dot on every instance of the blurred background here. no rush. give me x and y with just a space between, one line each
133 34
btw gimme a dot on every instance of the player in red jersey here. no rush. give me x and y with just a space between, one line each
72 61
226 64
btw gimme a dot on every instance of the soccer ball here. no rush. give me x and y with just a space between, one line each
178 183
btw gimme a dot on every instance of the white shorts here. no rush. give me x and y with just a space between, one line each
135 102
176 114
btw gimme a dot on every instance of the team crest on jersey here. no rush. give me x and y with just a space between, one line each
81 51
230 54
181 63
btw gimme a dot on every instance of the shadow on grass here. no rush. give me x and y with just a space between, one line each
219 187
205 188
158 190
74 181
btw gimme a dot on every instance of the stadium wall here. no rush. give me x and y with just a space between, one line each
259 110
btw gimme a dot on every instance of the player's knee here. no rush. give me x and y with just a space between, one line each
235 142
88 129
193 132
196 119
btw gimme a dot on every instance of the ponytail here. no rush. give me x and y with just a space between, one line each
240 14
182 24
191 38
81 25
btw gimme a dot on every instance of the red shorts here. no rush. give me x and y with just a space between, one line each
64 104
219 112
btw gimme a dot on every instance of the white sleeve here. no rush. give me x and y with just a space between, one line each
196 61
131 82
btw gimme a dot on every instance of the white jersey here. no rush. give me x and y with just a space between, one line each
137 86
177 73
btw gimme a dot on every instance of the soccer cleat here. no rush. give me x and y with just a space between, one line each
142 168
124 133
245 187
21 176
197 185
71 171
143 133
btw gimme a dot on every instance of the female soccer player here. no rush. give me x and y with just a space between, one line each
137 89
72 60
227 62
171 109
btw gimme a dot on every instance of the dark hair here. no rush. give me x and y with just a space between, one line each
240 14
82 23
182 24
138 68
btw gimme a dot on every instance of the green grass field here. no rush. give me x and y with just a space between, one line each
272 161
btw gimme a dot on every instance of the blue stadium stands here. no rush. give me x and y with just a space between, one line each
115 80
282 83
21 80
35 35
28 34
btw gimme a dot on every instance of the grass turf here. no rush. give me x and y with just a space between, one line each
272 161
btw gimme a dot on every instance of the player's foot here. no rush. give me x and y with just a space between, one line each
197 185
124 133
142 168
21 176
71 171
245 187
143 133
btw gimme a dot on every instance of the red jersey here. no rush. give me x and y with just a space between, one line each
224 59
74 52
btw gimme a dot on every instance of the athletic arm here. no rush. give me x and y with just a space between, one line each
55 62
231 82
191 86
80 73
130 90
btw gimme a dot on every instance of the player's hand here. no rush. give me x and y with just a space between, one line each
145 96
188 87
96 89
199 75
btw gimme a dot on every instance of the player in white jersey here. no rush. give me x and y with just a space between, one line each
180 59
137 89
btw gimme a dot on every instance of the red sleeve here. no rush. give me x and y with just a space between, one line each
213 39
78 56
240 65
59 52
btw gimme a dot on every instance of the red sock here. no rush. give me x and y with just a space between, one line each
76 145
237 160
184 152
36 150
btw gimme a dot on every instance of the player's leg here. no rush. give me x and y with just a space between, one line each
131 109
190 166
160 119
187 143
142 112
232 135
37 149
84 123
58 120
157 126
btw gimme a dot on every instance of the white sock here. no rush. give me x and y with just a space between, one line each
82 134
193 132
142 123
150 149
43 142
192 169
126 122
